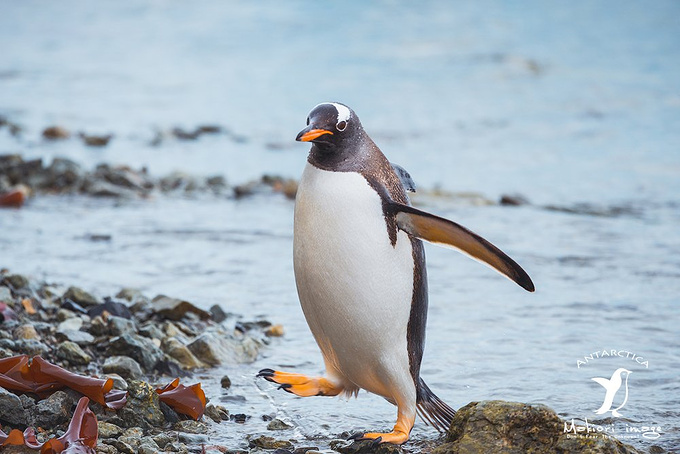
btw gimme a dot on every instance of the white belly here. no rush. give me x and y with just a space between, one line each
354 286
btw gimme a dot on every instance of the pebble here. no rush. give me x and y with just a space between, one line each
124 366
225 382
266 442
142 408
71 352
118 382
26 332
70 324
54 410
148 446
16 281
56 133
120 446
191 426
120 325
141 349
81 338
64 314
218 314
108 430
5 294
176 309
277 424
175 349
30 347
151 330
274 331
80 296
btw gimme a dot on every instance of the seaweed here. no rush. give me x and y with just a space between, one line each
188 400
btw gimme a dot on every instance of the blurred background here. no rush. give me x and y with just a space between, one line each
572 109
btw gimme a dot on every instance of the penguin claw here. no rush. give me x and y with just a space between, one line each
356 436
266 374
376 442
285 387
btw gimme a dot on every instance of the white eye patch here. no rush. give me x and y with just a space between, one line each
343 111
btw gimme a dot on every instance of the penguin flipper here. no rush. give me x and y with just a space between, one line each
405 178
603 381
441 231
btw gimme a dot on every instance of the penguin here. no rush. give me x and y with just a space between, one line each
612 387
360 272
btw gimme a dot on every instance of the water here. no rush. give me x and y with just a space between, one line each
567 104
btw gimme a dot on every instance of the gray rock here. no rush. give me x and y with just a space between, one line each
265 442
103 448
16 281
81 338
107 430
124 366
71 352
152 331
80 296
277 424
12 409
5 295
176 447
178 351
70 324
119 326
148 446
65 314
498 427
142 408
364 447
218 314
176 309
118 382
101 188
213 349
213 413
191 426
120 446
141 349
30 347
163 439
53 411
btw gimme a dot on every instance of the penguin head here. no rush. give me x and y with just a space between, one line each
330 125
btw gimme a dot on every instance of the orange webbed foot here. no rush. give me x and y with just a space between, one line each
301 385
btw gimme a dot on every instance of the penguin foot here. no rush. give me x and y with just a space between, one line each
301 385
396 437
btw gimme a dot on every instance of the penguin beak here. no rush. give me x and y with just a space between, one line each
308 134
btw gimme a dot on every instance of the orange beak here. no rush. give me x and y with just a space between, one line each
306 136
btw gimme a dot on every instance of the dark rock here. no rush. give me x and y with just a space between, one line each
56 133
53 411
73 307
511 427
30 347
124 366
225 382
142 408
176 309
176 446
169 414
163 439
16 281
213 413
119 326
80 296
365 447
178 351
304 449
239 418
12 409
120 446
191 426
112 307
139 348
277 424
265 442
71 352
148 446
514 200
63 174
95 141
218 314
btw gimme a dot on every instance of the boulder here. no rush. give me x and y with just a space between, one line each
11 408
139 348
176 309
55 410
124 366
71 352
142 408
214 349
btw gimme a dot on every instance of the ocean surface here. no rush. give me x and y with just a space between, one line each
575 106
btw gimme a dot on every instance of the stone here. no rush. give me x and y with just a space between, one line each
178 351
56 133
213 413
176 446
218 314
120 446
151 330
71 352
95 140
5 294
16 281
53 411
496 427
175 309
214 350
65 313
12 408
364 447
148 446
81 338
141 349
108 430
26 331
112 307
31 347
265 442
120 325
142 408
118 382
225 382
274 331
191 426
103 448
163 439
80 296
513 200
70 324
124 366
277 424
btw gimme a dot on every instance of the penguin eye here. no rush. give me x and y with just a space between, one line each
307 121
341 125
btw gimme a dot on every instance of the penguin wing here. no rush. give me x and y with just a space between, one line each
603 381
441 231
405 178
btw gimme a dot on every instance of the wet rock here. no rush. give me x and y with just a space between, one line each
80 296
26 332
175 309
5 294
16 281
79 337
216 414
98 188
511 427
175 349
108 430
277 424
239 418
11 408
364 447
120 446
148 446
124 366
142 408
124 177
64 174
95 140
119 326
513 200
191 426
118 382
71 352
139 348
163 439
152 331
306 450
55 410
214 350
265 442
274 331
112 307
169 414
218 314
176 446
30 347
225 382
56 133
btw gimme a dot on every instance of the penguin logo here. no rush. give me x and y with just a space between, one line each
613 385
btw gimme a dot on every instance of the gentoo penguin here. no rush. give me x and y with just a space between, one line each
360 271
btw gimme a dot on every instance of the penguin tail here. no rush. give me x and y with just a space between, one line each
433 410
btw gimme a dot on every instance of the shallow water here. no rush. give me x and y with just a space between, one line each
571 104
